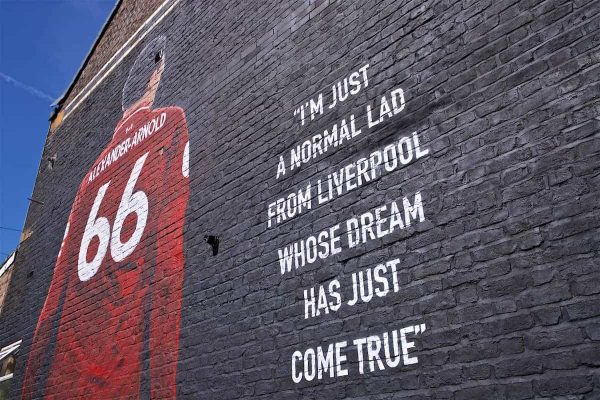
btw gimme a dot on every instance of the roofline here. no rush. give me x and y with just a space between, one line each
59 101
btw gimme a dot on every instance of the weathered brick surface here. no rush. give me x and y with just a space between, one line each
4 282
129 17
504 271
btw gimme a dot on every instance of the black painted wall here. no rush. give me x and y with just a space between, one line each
503 271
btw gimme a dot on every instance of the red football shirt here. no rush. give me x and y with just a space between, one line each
120 269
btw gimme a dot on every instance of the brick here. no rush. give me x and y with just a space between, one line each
548 316
518 367
480 392
554 338
583 309
587 286
544 295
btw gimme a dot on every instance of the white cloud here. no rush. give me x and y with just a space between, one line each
30 89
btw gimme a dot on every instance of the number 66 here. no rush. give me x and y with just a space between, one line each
99 226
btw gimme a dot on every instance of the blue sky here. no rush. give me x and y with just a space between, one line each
42 45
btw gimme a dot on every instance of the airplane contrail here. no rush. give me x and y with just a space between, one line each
30 89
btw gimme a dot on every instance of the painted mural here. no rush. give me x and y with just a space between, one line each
117 285
389 200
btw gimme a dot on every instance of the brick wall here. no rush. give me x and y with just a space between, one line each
128 18
4 282
464 184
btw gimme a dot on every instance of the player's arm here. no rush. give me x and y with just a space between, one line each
168 278
43 331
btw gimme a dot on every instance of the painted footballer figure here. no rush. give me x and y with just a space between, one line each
112 313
